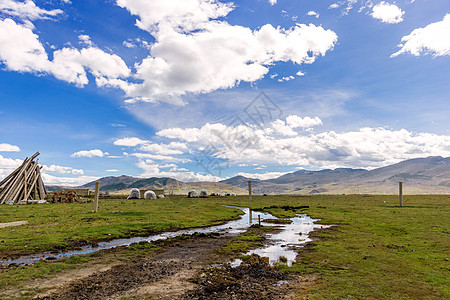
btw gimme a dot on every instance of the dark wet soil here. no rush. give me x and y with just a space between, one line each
118 279
183 269
253 279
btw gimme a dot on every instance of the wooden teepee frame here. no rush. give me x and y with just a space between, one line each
24 183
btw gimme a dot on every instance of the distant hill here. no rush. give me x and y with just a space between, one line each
122 184
430 175
420 176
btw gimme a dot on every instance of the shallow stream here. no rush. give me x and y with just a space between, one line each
282 243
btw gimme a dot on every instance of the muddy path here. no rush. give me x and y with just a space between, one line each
182 269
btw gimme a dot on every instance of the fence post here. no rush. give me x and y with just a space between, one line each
97 186
250 200
400 193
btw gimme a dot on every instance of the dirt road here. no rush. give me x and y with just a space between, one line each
183 269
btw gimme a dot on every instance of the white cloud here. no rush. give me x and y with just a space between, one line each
295 121
112 170
432 39
7 165
387 13
300 73
273 2
174 148
8 148
130 142
26 10
67 181
281 144
333 6
160 149
182 14
152 169
287 78
262 176
313 13
129 44
196 53
61 170
158 157
89 153
21 50
85 40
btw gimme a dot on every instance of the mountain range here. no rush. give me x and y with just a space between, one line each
430 175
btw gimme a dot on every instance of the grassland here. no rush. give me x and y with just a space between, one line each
377 250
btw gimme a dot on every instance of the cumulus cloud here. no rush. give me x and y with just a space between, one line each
158 157
67 181
273 2
7 165
432 39
287 78
89 153
152 169
262 176
333 6
160 149
281 144
387 13
8 148
129 142
26 10
21 50
173 148
195 52
313 13
85 40
61 170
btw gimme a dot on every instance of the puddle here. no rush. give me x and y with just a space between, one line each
285 242
281 243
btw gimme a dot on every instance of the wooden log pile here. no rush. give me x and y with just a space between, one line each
63 197
25 183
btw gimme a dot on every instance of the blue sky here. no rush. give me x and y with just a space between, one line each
207 89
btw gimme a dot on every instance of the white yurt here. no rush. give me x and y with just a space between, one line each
161 196
134 194
203 194
149 195
192 194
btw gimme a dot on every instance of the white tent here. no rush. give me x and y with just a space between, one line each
134 194
192 194
149 195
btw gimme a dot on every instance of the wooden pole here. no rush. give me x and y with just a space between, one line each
97 186
250 200
259 220
400 192
25 185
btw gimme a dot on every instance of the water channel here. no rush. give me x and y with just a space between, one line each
280 244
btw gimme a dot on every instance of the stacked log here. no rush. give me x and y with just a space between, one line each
25 183
63 197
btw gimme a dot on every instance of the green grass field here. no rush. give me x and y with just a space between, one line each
377 250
